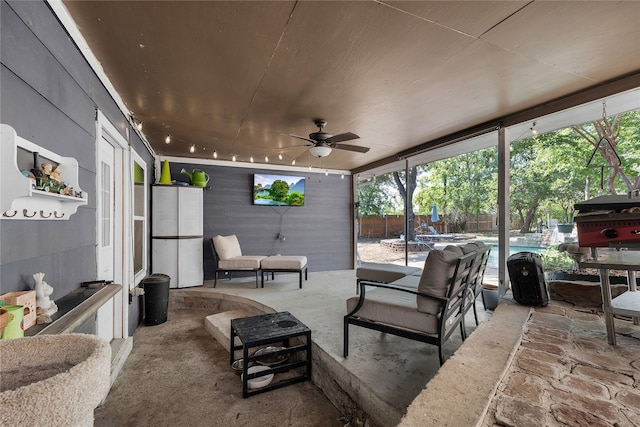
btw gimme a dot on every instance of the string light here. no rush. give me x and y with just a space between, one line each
534 131
215 154
251 159
233 158
192 149
167 139
293 162
280 156
266 159
326 172
342 176
139 126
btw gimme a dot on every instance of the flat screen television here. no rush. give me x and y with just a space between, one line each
278 190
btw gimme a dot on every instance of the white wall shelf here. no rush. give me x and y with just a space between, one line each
18 197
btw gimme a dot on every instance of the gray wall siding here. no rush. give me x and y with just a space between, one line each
320 229
49 95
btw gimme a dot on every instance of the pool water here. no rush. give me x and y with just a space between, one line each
513 249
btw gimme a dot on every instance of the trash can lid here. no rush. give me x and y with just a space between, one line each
156 278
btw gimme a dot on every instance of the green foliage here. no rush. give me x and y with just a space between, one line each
295 199
553 259
549 174
460 186
279 190
376 196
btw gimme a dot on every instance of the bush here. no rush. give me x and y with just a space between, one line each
553 259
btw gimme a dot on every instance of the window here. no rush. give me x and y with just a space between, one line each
139 192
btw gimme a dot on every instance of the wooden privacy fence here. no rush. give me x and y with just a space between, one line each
390 226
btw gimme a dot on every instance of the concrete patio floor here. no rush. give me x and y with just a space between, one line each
178 374
375 384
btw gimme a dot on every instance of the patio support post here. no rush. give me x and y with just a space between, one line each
355 232
504 219
407 205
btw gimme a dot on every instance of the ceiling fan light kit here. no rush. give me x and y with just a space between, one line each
320 151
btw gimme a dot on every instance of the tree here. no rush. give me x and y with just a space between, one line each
295 199
374 196
279 190
406 192
615 138
462 186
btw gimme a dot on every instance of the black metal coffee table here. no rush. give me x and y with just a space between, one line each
259 331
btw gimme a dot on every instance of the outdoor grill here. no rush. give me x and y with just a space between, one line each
608 220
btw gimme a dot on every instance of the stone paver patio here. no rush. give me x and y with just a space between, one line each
565 374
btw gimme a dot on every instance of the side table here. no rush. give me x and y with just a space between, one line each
627 304
257 331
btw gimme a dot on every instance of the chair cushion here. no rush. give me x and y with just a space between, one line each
394 308
245 262
455 249
410 282
471 247
280 262
438 272
385 273
227 247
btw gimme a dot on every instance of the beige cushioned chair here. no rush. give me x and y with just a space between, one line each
429 313
228 258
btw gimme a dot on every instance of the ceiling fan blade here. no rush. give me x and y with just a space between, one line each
341 137
292 146
304 138
351 148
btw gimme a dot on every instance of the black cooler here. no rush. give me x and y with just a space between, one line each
527 279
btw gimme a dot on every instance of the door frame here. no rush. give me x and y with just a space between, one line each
122 215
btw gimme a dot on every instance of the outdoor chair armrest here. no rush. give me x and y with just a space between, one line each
364 283
362 295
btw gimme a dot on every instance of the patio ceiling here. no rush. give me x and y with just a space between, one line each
236 77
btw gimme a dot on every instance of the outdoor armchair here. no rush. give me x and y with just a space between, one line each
430 314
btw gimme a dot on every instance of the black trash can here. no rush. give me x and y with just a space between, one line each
156 298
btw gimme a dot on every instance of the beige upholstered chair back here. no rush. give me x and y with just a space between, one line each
227 247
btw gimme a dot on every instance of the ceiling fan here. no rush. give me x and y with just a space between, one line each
322 143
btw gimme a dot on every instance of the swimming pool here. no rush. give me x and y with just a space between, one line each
513 249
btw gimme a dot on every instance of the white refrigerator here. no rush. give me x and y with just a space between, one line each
176 248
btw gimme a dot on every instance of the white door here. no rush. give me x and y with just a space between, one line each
106 208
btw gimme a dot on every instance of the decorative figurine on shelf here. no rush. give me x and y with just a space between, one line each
47 168
55 174
50 181
44 306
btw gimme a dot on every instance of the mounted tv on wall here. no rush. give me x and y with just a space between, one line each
278 190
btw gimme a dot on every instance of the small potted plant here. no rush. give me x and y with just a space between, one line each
566 226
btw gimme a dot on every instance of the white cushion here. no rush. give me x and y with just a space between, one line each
438 272
280 262
227 247
246 262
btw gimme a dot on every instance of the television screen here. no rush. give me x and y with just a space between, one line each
278 190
